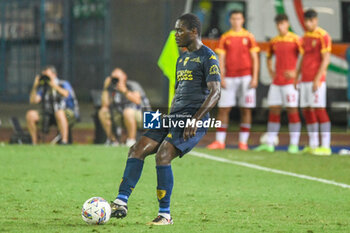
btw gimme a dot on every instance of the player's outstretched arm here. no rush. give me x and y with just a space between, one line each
208 104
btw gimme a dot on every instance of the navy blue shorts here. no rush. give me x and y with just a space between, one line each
175 137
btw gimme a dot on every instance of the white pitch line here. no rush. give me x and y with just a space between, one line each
257 167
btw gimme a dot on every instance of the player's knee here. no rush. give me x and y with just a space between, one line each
224 111
137 151
60 116
129 114
246 111
166 154
163 158
32 116
103 113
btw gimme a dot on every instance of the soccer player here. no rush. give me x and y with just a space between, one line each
286 48
197 92
239 64
316 44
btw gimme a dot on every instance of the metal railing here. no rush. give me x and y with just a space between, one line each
73 35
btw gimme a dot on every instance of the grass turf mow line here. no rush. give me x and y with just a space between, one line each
257 167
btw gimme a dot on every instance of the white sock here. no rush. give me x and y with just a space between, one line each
165 215
221 134
325 129
119 202
294 133
244 135
312 130
272 131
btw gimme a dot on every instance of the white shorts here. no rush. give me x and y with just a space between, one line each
238 88
285 95
308 98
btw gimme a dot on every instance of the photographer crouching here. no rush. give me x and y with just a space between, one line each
58 105
122 103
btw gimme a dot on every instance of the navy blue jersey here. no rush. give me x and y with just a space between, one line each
193 71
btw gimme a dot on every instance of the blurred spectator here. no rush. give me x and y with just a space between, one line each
121 105
58 104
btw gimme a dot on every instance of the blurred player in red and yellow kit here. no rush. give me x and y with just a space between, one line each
286 48
317 47
239 64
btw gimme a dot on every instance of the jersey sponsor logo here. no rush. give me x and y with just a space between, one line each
183 75
186 60
197 59
151 120
214 69
313 43
212 57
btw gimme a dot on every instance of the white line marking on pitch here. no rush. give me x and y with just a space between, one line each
257 167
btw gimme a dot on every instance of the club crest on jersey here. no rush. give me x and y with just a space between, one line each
214 69
245 41
186 60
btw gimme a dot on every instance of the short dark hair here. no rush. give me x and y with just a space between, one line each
281 17
233 12
50 67
310 14
191 21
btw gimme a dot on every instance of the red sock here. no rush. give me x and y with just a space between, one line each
310 116
276 118
293 117
322 115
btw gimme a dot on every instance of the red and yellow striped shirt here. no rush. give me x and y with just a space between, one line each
286 50
314 45
237 47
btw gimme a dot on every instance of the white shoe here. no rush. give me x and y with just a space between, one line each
130 142
111 143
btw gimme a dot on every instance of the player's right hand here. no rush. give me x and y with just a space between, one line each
107 82
223 82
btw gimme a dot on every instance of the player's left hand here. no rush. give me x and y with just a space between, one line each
190 131
253 83
316 85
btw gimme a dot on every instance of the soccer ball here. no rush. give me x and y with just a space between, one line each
263 139
96 210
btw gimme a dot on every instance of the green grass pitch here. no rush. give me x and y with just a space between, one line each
42 189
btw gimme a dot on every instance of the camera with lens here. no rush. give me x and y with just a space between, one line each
44 80
114 80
